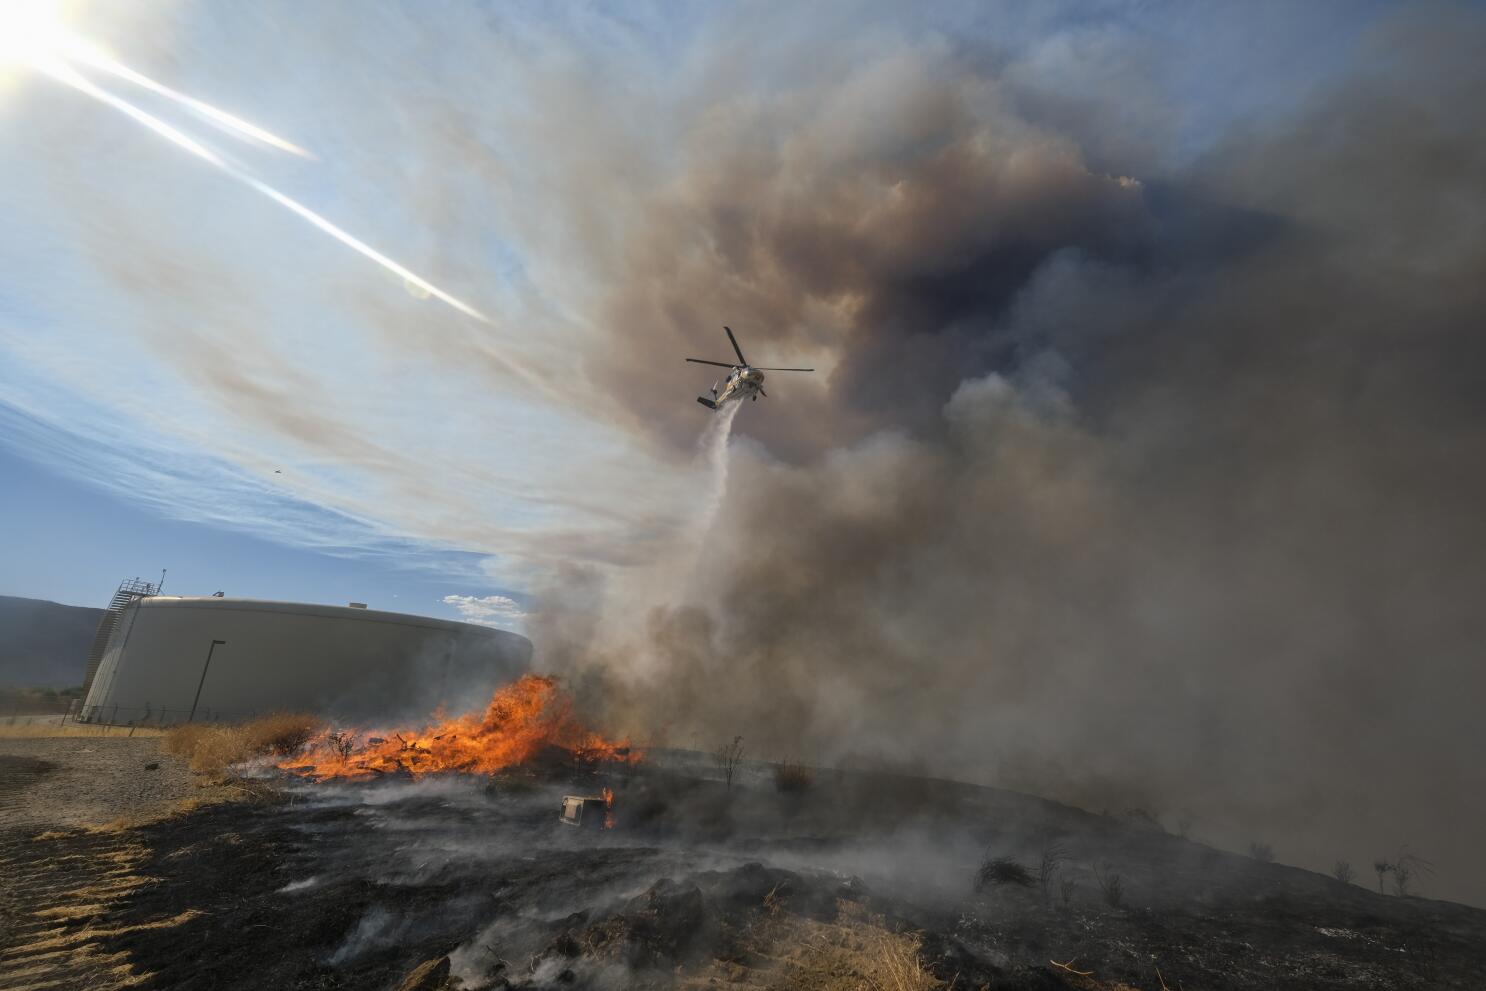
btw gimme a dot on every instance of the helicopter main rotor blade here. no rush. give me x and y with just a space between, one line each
719 364
736 349
763 369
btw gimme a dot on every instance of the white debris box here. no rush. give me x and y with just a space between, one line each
585 812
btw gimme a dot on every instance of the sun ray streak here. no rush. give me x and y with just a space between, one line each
357 245
65 73
80 51
62 72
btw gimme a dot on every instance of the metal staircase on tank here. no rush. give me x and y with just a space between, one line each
129 589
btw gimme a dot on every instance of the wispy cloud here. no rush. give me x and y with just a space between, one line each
490 610
244 373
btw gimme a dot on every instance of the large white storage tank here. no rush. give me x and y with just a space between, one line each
170 659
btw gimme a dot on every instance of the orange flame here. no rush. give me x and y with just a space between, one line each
523 720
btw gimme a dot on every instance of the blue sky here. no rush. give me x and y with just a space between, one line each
78 540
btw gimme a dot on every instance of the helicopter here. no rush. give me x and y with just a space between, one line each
744 381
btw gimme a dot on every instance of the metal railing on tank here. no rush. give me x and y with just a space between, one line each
151 716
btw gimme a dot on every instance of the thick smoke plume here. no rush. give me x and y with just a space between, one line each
1132 484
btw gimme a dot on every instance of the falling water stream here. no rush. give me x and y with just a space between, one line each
713 447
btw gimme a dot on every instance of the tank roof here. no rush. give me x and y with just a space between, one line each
358 614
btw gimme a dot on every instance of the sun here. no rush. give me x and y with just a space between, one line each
31 31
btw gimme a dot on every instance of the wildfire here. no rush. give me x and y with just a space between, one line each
525 719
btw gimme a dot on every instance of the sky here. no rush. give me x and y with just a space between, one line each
1141 464
192 354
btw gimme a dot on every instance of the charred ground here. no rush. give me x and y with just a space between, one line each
844 883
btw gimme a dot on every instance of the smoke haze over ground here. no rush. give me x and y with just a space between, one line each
1144 466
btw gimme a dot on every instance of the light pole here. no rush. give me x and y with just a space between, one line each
208 664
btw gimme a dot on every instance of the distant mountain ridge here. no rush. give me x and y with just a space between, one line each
44 644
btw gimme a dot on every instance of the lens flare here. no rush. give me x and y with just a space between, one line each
33 35
87 54
64 73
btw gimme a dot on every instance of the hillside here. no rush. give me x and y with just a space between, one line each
44 644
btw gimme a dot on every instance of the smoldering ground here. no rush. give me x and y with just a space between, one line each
1157 492
701 883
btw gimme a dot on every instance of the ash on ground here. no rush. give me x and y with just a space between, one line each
849 880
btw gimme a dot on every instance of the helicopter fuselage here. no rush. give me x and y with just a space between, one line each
743 382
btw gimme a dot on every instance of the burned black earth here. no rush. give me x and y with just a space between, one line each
860 880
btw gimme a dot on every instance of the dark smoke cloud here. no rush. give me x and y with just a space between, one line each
1159 491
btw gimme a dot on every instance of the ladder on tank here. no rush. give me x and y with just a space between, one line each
129 589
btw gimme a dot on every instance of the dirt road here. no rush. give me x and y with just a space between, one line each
66 782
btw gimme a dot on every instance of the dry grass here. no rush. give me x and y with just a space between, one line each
283 734
212 749
47 730
856 952
995 872
792 777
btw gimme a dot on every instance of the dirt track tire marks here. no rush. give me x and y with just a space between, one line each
55 900
18 774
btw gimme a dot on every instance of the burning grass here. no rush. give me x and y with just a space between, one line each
524 720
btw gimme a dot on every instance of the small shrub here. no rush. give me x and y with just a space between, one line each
219 748
282 734
1383 868
1407 867
1066 887
1111 885
181 740
1403 876
341 744
208 748
1051 862
996 872
792 777
727 757
1262 852
1343 872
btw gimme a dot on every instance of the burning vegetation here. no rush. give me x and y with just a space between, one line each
528 719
